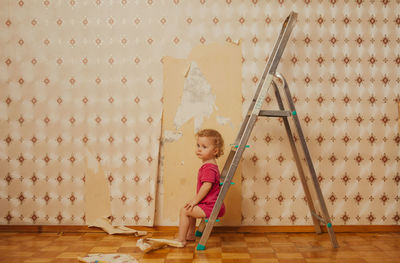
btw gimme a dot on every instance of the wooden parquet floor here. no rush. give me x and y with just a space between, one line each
221 247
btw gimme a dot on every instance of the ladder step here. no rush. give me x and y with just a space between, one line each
319 218
328 225
216 220
237 146
222 183
276 113
198 233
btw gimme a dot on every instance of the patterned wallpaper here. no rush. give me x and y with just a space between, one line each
88 74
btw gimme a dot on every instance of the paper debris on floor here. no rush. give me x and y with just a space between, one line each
105 224
108 258
149 244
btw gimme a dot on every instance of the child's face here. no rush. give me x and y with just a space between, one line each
206 149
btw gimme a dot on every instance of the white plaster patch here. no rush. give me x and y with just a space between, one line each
171 136
224 120
197 101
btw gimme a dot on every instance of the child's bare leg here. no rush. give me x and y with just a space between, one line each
184 221
190 236
183 225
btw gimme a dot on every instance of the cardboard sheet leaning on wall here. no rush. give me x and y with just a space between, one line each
97 200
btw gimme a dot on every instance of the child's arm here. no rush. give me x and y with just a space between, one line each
203 191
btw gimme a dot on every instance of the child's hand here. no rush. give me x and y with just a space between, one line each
189 205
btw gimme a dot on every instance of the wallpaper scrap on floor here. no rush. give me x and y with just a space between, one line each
88 74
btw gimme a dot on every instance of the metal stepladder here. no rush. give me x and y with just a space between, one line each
246 128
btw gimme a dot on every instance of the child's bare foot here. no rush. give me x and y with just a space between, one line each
191 237
180 241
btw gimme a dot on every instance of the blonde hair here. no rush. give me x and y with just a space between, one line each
218 141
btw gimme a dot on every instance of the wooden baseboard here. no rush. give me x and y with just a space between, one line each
217 229
310 229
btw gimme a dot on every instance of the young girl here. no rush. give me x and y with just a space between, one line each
210 146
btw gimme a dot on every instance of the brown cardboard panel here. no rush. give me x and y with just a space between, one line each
97 192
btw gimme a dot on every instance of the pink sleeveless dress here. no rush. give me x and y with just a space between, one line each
209 172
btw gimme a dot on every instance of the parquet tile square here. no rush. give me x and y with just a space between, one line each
265 260
260 249
234 255
178 260
232 249
262 255
159 260
293 260
205 257
38 260
238 260
72 255
53 248
51 254
320 260
289 255
207 260
288 248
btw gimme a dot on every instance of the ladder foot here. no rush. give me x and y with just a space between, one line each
198 233
200 247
